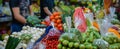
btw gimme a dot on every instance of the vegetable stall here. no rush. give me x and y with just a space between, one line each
94 26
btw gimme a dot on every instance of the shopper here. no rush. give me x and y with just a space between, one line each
20 10
47 7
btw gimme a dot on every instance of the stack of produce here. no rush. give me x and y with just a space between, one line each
56 19
77 40
114 41
88 40
27 35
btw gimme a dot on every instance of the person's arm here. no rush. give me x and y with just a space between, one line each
56 9
47 11
30 8
17 15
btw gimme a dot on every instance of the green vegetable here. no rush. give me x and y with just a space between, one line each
65 42
76 45
61 40
89 46
64 47
68 48
97 34
91 38
12 41
95 47
59 46
81 46
33 20
88 22
119 40
70 44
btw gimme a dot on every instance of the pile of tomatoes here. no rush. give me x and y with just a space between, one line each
57 19
50 43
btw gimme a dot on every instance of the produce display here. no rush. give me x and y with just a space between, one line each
26 36
92 25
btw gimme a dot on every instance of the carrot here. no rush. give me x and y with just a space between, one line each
95 24
114 32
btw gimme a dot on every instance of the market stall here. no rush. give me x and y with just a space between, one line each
89 25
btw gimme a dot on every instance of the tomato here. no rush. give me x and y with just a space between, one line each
52 17
59 25
58 21
53 20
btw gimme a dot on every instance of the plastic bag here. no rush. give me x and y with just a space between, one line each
47 21
79 20
104 25
101 43
53 33
40 46
68 21
6 9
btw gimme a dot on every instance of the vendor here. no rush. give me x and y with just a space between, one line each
20 10
47 7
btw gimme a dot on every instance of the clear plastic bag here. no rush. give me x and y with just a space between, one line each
40 46
101 43
47 20
53 33
104 25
